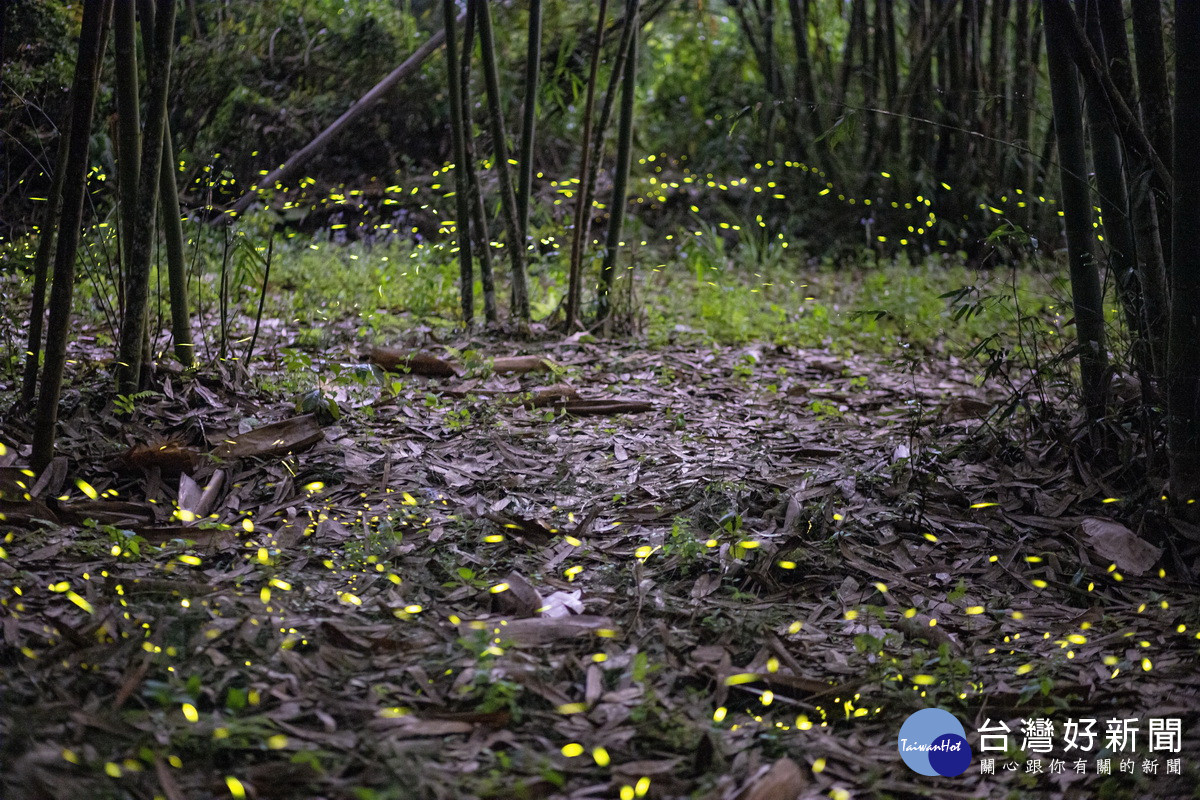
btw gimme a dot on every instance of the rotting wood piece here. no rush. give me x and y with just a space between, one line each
392 359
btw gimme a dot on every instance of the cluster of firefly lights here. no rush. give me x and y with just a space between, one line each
429 195
657 193
265 557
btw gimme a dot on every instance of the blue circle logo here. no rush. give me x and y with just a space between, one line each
933 742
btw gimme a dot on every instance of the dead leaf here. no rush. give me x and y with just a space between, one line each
540 630
783 780
171 457
1116 544
563 604
521 599
277 439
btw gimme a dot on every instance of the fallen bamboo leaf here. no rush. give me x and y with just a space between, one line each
521 599
1117 544
783 780
535 531
170 457
562 604
277 439
539 630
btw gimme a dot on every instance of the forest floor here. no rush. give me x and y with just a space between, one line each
736 587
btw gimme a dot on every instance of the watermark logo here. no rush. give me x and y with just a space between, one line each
933 742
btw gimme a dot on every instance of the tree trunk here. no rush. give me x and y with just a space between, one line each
533 59
1183 346
169 218
1086 293
129 125
583 201
1113 199
1156 103
508 202
137 275
854 38
806 93
172 223
480 235
601 123
41 269
1143 208
616 213
1020 175
94 29
462 190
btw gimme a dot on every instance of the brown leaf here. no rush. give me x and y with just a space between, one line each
171 788
170 457
783 780
1117 544
541 630
521 599
964 407
277 439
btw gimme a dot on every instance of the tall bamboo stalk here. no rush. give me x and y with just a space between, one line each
479 224
1112 195
462 192
616 212
533 58
508 202
583 201
129 125
41 269
1183 346
172 222
137 278
1155 98
1142 203
1086 292
94 29
600 126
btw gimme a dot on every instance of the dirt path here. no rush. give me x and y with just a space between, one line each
744 591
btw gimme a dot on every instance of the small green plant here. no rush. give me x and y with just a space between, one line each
126 404
683 541
457 419
825 409
125 543
294 360
743 370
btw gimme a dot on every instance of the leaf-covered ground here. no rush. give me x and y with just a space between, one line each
450 591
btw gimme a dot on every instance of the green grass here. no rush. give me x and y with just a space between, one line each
695 288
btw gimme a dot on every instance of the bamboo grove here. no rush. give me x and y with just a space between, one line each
951 102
